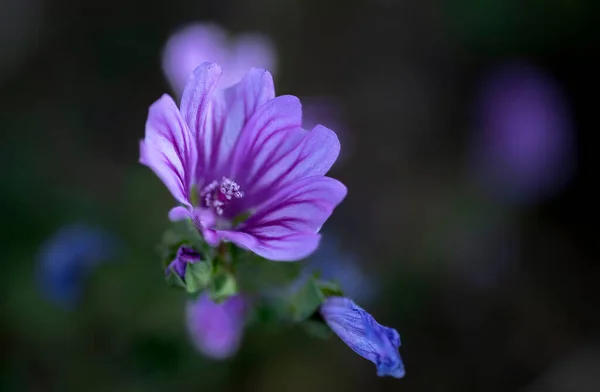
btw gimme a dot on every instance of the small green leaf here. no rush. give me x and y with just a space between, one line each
223 286
174 280
197 276
330 289
306 300
183 232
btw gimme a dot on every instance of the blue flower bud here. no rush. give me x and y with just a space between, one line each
185 256
369 339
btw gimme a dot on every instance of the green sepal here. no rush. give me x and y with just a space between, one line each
330 289
184 233
241 218
305 301
173 279
222 286
194 196
197 276
180 233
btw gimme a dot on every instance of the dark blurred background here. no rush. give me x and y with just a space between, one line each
492 283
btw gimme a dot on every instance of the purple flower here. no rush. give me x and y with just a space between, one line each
216 329
185 255
242 166
68 257
206 42
369 339
524 148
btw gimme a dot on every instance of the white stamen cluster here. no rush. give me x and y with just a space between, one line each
217 194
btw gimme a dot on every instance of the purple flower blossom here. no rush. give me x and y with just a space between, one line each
524 148
185 255
216 329
206 42
369 339
242 165
68 257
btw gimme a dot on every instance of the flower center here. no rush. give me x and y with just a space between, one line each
217 194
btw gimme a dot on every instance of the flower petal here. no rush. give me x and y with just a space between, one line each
285 226
365 336
197 94
277 166
179 213
196 109
168 148
291 247
231 109
276 125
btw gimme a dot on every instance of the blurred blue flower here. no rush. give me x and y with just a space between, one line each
66 259
216 329
369 339
185 255
524 147
334 263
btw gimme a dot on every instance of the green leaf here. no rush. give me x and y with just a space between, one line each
330 289
303 303
223 286
306 300
174 280
197 276
183 232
